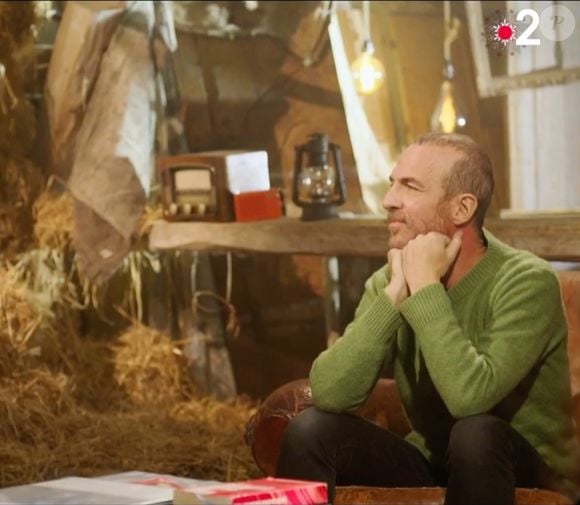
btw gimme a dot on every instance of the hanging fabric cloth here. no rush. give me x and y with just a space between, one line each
111 173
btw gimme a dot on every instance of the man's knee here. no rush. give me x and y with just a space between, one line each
474 438
311 426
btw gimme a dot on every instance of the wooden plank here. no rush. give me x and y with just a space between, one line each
289 235
555 239
530 214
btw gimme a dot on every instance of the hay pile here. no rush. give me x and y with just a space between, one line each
73 405
45 434
20 180
151 214
53 220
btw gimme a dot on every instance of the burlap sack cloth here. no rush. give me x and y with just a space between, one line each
113 156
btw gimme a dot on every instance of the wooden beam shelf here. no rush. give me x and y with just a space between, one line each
555 239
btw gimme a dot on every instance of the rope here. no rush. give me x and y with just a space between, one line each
232 324
450 28
6 89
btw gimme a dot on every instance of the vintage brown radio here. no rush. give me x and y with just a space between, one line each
200 186
189 190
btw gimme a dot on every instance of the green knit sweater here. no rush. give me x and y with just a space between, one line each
493 343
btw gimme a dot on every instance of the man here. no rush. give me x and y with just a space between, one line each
476 335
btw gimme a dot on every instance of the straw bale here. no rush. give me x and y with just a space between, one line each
31 402
47 276
19 179
17 127
149 366
141 367
71 404
151 214
147 440
200 438
91 370
16 18
53 220
18 320
83 406
39 320
20 182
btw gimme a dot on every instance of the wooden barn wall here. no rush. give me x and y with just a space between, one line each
256 93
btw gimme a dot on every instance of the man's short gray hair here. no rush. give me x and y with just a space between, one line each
472 173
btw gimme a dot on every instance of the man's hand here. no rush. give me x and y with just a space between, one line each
427 258
397 289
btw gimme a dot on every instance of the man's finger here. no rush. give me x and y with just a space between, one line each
393 253
395 263
390 262
452 249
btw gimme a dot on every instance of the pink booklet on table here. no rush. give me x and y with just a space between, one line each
253 492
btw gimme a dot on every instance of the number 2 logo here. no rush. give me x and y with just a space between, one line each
556 22
524 38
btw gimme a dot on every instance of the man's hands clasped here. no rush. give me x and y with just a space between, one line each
423 261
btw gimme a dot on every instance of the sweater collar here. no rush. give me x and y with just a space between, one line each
481 271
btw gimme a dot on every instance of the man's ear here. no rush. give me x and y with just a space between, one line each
464 208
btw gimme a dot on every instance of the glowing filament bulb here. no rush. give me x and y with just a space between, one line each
447 116
368 72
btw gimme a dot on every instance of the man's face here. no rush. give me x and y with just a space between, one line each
414 201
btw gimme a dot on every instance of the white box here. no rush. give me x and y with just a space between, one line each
246 171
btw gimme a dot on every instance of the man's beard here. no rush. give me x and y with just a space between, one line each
440 223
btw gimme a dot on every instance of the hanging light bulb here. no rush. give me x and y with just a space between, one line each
367 71
449 114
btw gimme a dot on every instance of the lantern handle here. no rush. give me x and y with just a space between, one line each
339 173
300 149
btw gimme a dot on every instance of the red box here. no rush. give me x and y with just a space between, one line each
258 205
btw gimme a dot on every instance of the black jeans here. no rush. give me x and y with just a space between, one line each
486 458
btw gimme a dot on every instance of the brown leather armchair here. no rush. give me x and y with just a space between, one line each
264 430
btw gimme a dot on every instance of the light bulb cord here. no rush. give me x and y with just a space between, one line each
366 5
450 29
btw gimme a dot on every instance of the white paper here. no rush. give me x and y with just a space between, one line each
79 490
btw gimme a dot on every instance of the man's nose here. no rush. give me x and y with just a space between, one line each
390 200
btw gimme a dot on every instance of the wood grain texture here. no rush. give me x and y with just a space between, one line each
555 239
352 237
432 496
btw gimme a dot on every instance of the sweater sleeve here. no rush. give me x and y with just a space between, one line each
526 313
342 376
